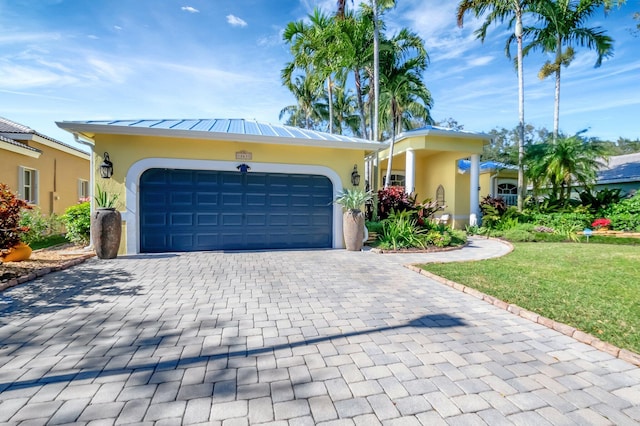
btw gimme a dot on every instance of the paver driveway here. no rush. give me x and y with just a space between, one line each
296 337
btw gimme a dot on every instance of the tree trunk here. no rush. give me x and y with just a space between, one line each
521 188
330 94
376 70
363 122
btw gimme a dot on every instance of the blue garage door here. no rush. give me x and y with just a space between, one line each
195 210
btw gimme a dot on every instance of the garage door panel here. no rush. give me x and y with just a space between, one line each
186 210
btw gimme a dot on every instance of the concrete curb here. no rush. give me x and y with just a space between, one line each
44 271
565 329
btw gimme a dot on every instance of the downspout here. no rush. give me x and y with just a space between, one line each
91 146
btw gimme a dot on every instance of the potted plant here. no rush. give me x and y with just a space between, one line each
106 224
351 201
12 249
601 224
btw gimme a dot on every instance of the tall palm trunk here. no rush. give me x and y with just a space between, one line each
359 95
330 95
376 70
556 106
518 34
394 109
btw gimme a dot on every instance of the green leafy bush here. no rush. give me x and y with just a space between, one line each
563 220
625 215
40 226
77 220
400 231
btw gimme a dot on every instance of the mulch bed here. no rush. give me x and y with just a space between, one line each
41 263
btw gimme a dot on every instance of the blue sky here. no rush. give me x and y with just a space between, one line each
129 59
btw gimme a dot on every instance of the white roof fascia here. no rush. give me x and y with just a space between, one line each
110 129
19 150
437 132
47 142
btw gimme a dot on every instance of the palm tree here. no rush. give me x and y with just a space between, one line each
403 96
345 110
560 163
306 112
377 6
499 11
563 25
355 33
314 50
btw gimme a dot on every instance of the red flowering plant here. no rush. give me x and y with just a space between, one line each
10 208
601 223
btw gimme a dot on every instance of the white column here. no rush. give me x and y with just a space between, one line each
474 190
410 171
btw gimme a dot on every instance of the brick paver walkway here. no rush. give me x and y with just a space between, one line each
290 338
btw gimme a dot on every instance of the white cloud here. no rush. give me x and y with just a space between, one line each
235 21
117 28
189 9
480 61
274 39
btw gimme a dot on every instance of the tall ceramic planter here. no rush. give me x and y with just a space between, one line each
106 229
353 229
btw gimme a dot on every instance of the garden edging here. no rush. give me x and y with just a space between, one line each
623 354
44 271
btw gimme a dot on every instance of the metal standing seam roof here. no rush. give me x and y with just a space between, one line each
213 126
19 144
9 126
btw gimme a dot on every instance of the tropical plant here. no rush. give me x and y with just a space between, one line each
306 113
394 198
353 199
106 199
562 27
499 11
77 220
403 95
400 230
557 165
599 201
10 208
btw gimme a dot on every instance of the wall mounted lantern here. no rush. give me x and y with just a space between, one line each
106 168
355 176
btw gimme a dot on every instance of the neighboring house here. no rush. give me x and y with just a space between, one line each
426 162
623 172
496 180
190 185
46 172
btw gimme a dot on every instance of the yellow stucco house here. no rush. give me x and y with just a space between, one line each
219 184
46 172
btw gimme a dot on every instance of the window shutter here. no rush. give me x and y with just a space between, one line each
21 182
36 185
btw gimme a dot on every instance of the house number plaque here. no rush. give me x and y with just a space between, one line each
244 155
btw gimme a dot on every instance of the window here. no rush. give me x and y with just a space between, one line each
28 184
507 188
83 190
509 193
397 179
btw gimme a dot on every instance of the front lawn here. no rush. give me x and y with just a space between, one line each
593 287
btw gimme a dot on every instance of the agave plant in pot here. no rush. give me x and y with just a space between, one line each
351 201
106 224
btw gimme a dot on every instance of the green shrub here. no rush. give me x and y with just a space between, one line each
400 231
77 220
563 220
40 226
374 226
625 215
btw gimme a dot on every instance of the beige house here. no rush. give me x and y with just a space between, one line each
44 171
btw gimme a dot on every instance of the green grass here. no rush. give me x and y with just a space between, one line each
593 287
50 241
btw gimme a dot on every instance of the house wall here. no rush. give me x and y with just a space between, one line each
125 151
58 175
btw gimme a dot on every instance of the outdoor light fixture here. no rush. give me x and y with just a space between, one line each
106 168
355 176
